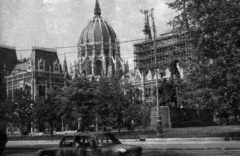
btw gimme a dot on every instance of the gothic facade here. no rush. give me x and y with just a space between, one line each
36 75
173 49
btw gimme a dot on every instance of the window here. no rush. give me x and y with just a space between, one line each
41 90
98 52
67 142
56 67
106 139
82 141
106 52
41 65
29 66
89 68
98 67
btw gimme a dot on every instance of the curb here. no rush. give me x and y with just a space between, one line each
173 139
160 144
156 149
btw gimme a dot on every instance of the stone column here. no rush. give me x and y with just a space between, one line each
93 59
7 87
116 56
12 89
32 86
46 89
36 91
143 91
80 59
103 61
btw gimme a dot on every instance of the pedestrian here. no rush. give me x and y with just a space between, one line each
3 141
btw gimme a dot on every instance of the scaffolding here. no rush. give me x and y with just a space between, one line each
171 45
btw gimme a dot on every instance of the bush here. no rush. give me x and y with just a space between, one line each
194 123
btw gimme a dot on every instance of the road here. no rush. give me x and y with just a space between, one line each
150 148
155 153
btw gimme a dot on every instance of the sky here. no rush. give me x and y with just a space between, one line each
59 23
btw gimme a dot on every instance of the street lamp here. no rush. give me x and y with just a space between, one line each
159 122
62 123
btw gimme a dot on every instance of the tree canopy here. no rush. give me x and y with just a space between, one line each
215 39
77 100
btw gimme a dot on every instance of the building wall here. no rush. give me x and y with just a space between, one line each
8 60
170 48
30 77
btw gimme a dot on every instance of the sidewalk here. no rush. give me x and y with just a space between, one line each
149 144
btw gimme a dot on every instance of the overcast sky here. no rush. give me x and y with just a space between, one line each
59 23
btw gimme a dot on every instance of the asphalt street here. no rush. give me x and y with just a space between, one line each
167 147
153 153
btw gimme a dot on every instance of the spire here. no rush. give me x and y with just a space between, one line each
71 68
65 70
97 10
147 30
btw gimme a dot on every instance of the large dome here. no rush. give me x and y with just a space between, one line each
97 30
98 48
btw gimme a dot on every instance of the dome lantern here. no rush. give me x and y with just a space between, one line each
97 10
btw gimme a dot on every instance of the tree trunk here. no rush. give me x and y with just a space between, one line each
227 120
82 125
51 128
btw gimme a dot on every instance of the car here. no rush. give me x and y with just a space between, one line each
91 144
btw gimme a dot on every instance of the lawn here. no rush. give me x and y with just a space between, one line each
210 131
203 130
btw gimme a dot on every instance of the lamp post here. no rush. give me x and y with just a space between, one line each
159 120
62 124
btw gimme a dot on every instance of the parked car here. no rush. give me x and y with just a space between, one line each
91 144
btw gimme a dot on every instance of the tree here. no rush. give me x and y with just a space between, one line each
114 107
215 36
134 112
3 110
24 108
45 110
77 101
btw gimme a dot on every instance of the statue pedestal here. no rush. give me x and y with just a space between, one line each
165 117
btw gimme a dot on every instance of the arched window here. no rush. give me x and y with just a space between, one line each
98 52
98 67
28 89
10 94
106 52
89 68
137 93
56 67
29 66
41 65
84 73
41 91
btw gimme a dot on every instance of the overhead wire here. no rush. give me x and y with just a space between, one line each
64 47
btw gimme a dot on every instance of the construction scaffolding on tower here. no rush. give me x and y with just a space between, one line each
172 45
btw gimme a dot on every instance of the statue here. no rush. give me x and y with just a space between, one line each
173 69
